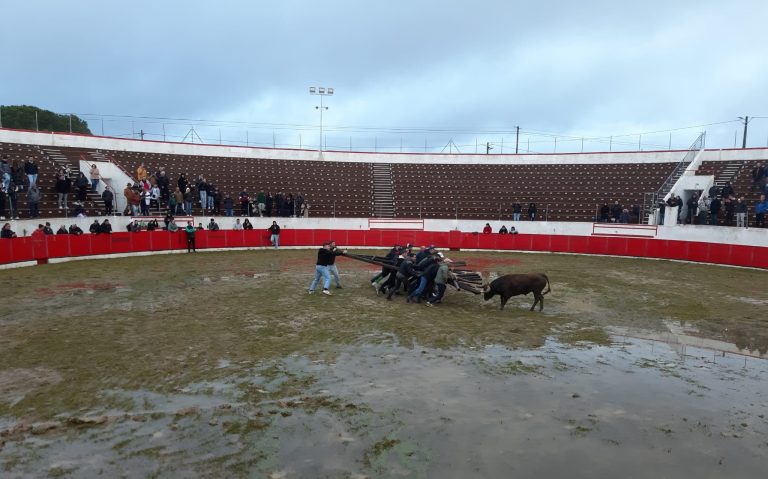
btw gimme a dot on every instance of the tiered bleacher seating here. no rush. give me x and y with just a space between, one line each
741 182
561 192
46 182
330 188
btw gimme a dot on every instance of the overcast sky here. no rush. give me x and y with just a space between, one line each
410 71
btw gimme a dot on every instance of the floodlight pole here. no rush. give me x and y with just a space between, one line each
321 92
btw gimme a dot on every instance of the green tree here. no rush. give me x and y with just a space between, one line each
22 117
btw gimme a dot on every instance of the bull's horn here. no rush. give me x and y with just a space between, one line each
485 288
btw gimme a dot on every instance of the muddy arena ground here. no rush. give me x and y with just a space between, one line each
221 365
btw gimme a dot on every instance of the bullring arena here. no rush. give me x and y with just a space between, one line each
122 355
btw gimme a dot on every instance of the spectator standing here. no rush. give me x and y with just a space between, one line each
503 230
5 170
760 209
304 209
108 198
154 198
11 197
213 226
727 191
713 192
729 208
274 231
75 230
244 201
616 211
605 213
703 209
247 225
229 206
178 196
188 199
82 185
31 169
33 198
202 191
190 232
741 213
47 228
182 182
163 184
714 210
324 257
487 229
17 174
63 184
145 199
141 172
268 203
94 228
532 211
237 226
261 200
692 205
95 176
62 230
517 210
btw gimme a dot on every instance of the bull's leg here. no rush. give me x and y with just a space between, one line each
540 298
504 299
535 301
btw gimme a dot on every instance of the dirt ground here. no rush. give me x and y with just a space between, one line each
221 364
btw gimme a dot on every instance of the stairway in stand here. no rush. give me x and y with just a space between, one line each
94 205
729 173
383 196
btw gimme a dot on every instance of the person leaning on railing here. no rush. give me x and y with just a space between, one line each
7 232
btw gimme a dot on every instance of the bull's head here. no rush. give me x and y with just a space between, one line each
487 292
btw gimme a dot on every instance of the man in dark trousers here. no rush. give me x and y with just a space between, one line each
404 273
190 231
324 258
427 277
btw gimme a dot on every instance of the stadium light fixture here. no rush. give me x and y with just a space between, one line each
321 92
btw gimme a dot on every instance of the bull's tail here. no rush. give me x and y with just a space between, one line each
548 288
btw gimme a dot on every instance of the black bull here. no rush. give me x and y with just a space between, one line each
513 284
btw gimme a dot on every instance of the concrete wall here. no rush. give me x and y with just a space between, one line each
106 143
691 233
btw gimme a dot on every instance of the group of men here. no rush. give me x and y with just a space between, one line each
421 275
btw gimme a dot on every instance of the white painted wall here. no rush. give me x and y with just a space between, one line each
106 143
705 234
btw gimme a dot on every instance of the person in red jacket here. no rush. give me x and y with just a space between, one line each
487 230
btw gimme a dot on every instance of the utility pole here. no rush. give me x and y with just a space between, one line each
745 120
517 137
488 147
141 134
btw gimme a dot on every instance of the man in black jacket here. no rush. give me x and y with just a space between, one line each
108 198
404 273
427 276
274 232
324 259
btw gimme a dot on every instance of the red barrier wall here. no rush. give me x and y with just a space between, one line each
62 246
